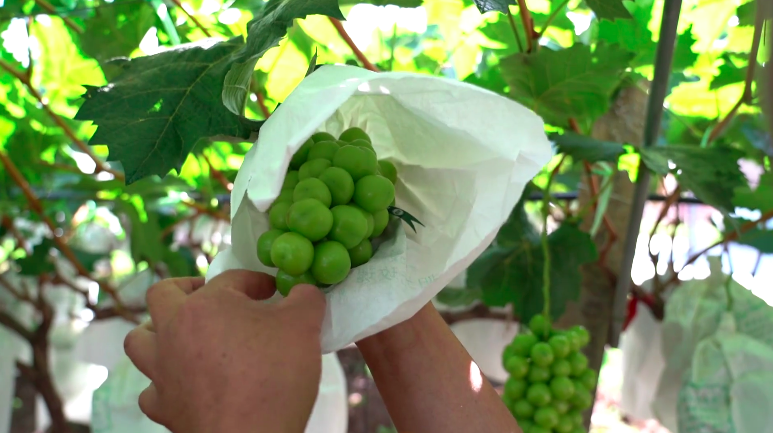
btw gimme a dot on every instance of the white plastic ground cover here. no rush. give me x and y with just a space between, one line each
485 340
115 408
463 155
693 313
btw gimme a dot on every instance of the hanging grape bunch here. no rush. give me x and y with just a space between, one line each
333 203
550 383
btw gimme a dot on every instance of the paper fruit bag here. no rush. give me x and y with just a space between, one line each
463 156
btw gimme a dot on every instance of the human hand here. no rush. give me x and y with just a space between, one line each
220 361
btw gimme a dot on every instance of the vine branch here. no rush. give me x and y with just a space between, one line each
476 312
36 206
7 222
727 238
528 24
746 96
220 177
14 325
261 99
67 21
192 18
345 36
100 165
551 17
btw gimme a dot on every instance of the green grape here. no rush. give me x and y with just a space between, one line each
539 395
562 406
562 388
388 170
507 353
515 388
362 143
331 262
310 218
546 417
522 409
380 221
286 195
291 179
565 425
522 344
277 216
508 402
539 429
373 193
301 155
312 188
285 281
583 333
322 136
588 378
542 354
578 361
560 345
561 367
368 216
357 161
349 226
574 340
540 326
340 184
342 143
354 133
517 366
526 425
576 417
582 398
361 254
313 168
579 430
292 253
323 150
264 246
538 374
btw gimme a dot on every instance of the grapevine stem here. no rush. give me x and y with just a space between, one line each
100 166
544 238
36 206
528 24
345 36
192 18
67 21
220 177
759 21
551 17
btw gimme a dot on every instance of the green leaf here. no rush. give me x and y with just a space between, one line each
481 268
745 13
609 9
180 263
582 147
518 229
574 82
154 113
458 297
400 3
117 30
264 32
761 198
684 57
39 262
711 173
729 73
88 260
494 5
759 239
312 64
633 35
145 237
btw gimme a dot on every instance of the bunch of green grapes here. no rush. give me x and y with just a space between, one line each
333 203
550 383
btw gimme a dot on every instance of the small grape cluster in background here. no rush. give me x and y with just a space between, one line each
550 383
333 203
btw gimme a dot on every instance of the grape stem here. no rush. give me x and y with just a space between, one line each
544 239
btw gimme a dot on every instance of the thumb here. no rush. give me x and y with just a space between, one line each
307 301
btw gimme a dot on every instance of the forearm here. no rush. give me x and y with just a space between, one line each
429 382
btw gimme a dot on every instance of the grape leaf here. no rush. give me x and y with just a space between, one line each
586 148
180 263
745 13
573 82
684 57
760 198
518 228
400 3
494 5
155 112
633 35
458 297
264 32
609 9
729 73
759 239
117 30
712 173
87 259
39 262
145 237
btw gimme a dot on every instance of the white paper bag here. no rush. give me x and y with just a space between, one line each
643 363
115 408
463 156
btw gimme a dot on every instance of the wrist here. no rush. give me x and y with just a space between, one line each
403 337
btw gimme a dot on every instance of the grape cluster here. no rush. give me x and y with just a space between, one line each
333 202
550 383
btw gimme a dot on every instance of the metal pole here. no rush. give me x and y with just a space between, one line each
657 95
